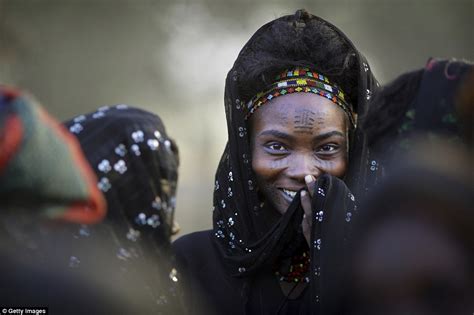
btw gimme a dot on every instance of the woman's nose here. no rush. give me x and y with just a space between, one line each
302 165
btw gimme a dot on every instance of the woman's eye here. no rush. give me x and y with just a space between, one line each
328 148
276 147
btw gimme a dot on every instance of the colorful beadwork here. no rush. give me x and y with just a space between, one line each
298 269
302 80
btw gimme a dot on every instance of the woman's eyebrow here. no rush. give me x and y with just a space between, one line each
277 134
329 134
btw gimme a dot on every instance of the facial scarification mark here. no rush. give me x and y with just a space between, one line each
278 164
321 120
304 121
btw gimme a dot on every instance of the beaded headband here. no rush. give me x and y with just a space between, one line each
302 80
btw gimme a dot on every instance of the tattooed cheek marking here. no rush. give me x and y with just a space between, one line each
326 165
278 164
304 120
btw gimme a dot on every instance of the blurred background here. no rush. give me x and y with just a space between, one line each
171 58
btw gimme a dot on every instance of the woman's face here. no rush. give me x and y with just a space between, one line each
293 136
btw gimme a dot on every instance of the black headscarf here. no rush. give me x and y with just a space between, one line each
422 103
243 236
136 165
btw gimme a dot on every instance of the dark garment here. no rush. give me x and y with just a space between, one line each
136 166
122 264
417 107
211 290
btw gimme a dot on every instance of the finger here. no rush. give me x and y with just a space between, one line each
306 224
310 183
306 203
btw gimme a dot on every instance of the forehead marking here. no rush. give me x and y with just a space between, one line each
304 120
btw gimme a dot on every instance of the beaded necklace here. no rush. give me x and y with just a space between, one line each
298 270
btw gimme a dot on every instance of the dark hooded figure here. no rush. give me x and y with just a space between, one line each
61 246
283 202
428 103
413 241
46 185
413 244
136 166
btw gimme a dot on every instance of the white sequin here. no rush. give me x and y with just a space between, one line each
104 166
79 118
153 221
135 149
141 219
76 128
123 254
133 235
317 244
97 115
120 167
121 150
174 275
153 144
137 136
104 184
74 262
220 234
348 216
156 203
319 216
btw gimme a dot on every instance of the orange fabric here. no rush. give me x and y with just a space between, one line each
10 140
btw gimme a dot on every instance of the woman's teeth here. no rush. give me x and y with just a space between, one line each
290 193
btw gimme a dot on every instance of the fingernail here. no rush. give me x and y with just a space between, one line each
308 179
303 193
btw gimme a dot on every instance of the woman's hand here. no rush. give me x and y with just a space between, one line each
306 197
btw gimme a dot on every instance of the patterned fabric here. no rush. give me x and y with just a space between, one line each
34 149
302 80
335 208
135 162
243 236
136 165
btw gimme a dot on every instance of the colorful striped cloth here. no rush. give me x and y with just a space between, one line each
42 167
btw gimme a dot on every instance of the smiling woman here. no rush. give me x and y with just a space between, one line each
281 205
297 135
